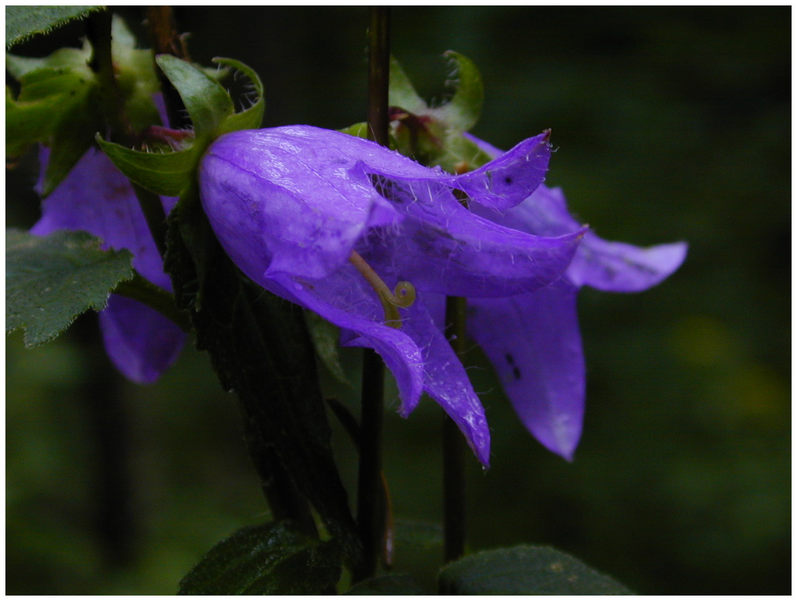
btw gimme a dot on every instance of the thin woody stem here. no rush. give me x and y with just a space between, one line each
370 497
112 106
166 40
453 448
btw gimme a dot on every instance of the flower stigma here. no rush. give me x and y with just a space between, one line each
403 296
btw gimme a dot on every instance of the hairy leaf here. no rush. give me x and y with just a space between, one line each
23 22
396 584
524 570
50 280
260 348
267 559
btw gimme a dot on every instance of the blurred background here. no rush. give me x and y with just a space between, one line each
670 124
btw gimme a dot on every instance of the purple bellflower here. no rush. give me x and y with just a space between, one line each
373 241
539 356
95 197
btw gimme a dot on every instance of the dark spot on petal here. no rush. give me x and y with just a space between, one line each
516 372
509 359
508 180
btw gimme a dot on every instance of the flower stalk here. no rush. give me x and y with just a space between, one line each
453 446
370 498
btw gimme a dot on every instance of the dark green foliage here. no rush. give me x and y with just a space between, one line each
524 570
23 22
50 280
260 348
387 585
268 559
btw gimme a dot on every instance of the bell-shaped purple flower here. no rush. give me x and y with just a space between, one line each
335 223
95 197
533 339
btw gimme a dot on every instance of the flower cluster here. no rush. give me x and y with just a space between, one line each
333 223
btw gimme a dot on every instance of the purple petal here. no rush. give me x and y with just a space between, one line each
619 267
443 247
534 343
607 266
446 381
301 197
293 195
509 178
140 342
95 197
348 301
485 147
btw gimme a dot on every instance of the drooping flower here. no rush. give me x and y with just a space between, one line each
95 197
333 223
539 357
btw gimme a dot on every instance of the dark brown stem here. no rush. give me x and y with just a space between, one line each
453 447
379 75
98 29
166 40
370 495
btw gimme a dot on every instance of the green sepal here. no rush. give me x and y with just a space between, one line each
463 110
402 93
23 22
524 570
359 130
460 154
252 117
165 173
211 110
268 559
135 76
206 101
52 279
433 135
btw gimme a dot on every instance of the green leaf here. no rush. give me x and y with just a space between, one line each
207 103
63 58
166 173
50 280
23 22
396 584
56 106
252 117
463 110
418 534
268 559
326 339
524 570
260 348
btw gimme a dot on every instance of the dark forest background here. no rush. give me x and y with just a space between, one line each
670 124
